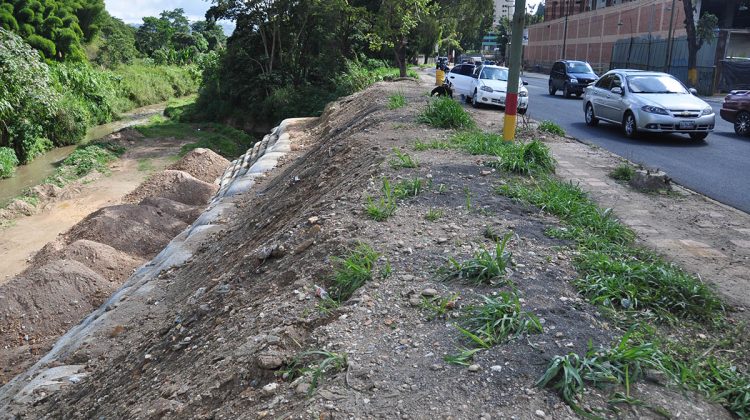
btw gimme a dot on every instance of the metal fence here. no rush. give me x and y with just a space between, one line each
648 53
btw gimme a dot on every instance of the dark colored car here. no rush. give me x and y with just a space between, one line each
736 110
571 77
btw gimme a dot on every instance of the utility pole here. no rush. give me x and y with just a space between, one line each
514 70
565 35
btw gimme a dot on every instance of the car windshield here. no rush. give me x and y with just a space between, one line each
579 68
494 74
655 84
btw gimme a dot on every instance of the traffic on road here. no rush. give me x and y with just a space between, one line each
713 160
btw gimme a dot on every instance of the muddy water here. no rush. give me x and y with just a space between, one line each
43 166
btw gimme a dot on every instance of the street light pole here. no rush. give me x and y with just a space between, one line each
565 30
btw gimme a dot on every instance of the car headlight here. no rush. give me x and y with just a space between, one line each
523 94
654 110
573 80
485 89
707 111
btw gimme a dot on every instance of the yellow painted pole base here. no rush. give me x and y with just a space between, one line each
509 127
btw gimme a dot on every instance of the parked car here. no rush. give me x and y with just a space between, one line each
571 77
736 110
486 85
647 101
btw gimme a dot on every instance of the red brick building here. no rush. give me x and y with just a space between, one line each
593 28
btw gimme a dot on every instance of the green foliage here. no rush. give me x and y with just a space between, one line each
396 101
118 43
403 160
439 306
433 215
463 358
307 364
552 128
8 162
93 157
222 139
533 157
444 112
142 84
408 188
484 267
637 285
352 271
384 207
622 172
496 320
57 28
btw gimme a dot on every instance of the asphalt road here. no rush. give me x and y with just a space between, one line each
718 167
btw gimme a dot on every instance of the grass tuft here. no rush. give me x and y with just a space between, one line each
433 215
385 206
623 172
316 364
408 188
548 126
462 358
403 160
525 158
352 271
496 320
484 267
396 101
446 113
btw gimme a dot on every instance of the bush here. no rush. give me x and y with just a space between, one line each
552 128
446 113
525 158
8 162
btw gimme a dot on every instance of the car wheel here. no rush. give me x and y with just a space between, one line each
629 126
552 89
742 123
522 111
698 136
474 102
578 95
591 119
566 91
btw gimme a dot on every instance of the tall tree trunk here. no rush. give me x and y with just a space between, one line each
692 43
401 56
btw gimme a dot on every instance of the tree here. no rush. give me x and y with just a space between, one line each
697 34
118 43
395 23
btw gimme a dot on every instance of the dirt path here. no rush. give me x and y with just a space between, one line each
29 234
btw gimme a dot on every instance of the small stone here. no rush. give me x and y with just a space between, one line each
474 368
540 413
442 240
485 173
559 334
302 388
270 388
436 367
496 368
313 220
407 277
702 336
269 361
415 301
429 292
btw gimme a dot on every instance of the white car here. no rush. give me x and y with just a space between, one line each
486 85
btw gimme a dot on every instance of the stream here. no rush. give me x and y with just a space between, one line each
43 166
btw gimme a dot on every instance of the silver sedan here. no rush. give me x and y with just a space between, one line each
643 101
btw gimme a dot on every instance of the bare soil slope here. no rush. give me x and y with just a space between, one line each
213 340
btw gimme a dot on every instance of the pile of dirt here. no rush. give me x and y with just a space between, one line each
173 208
179 186
223 334
105 260
204 164
141 231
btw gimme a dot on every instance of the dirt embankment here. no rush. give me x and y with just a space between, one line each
218 333
78 271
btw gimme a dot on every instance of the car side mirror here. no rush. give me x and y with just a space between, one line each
525 83
617 90
693 91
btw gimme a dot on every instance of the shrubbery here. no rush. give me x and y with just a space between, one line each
8 162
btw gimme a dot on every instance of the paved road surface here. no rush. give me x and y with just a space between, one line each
718 167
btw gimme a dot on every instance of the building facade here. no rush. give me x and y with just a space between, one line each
504 9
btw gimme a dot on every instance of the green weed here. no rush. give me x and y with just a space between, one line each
93 157
467 198
396 101
525 158
446 113
433 214
326 306
462 358
307 363
8 162
550 127
439 306
484 268
352 271
433 145
403 160
408 188
623 172
496 320
222 139
385 206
